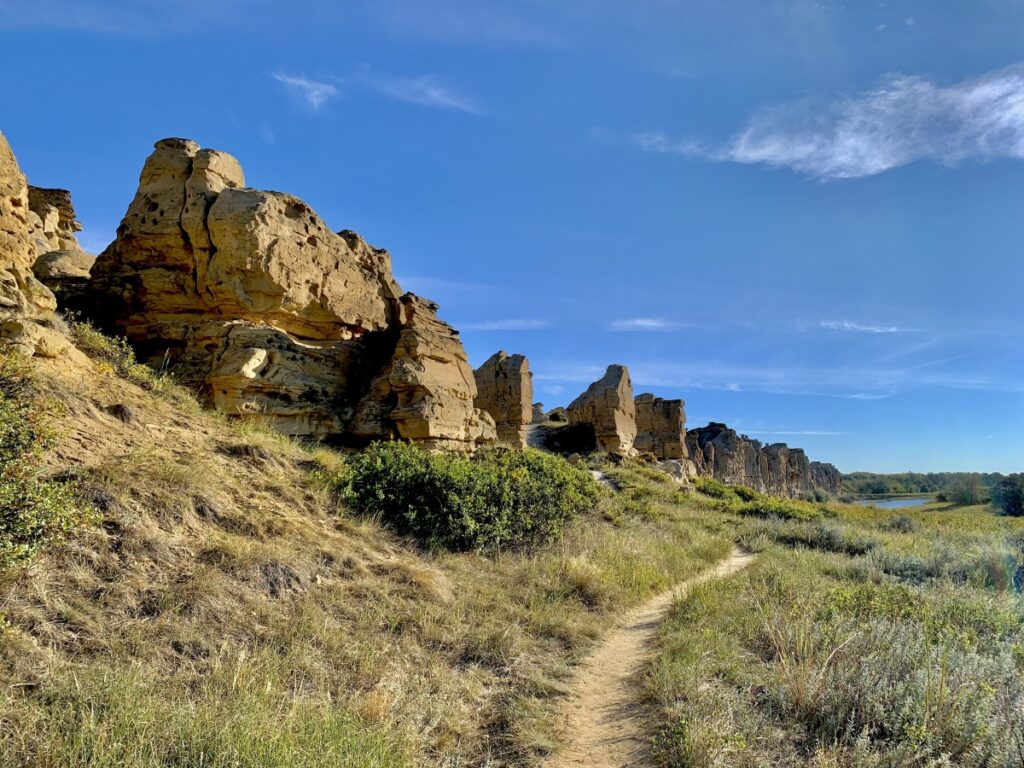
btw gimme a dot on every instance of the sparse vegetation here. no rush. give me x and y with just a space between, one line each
863 640
34 510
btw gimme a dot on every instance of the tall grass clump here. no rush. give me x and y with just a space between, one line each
495 499
116 353
33 510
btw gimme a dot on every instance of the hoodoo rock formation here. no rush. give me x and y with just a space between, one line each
660 427
248 296
504 387
607 407
721 453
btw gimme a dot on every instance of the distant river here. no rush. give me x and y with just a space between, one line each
894 503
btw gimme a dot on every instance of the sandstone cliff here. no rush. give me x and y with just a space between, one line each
721 453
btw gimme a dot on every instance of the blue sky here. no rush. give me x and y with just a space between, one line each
805 218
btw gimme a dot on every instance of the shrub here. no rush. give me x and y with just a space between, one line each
33 510
115 352
713 488
786 509
1008 496
498 498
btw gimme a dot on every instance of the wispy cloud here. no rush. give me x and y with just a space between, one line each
796 432
642 324
314 92
515 324
857 327
423 90
904 119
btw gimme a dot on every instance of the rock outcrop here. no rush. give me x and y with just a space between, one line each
57 220
248 296
26 305
21 295
720 452
826 477
660 427
504 387
607 407
426 391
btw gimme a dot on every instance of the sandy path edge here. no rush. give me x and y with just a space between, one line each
603 715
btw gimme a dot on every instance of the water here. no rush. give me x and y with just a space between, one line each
894 503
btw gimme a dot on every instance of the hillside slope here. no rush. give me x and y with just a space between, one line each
226 612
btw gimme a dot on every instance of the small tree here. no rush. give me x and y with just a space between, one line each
1008 496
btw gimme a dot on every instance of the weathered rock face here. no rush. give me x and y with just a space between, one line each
607 406
538 416
248 296
57 221
426 391
195 245
21 295
661 427
504 387
720 452
826 477
25 304
726 456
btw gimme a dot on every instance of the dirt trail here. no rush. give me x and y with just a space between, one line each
604 718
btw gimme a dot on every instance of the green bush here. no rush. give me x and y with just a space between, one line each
498 498
786 509
713 488
1008 496
33 510
115 352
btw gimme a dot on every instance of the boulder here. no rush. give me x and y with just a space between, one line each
504 389
66 274
426 391
607 407
661 427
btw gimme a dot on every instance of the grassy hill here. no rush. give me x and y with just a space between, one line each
222 608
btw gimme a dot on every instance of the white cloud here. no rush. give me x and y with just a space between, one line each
904 119
642 324
553 389
423 90
796 432
515 324
849 325
313 92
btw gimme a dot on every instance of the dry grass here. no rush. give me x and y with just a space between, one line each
225 613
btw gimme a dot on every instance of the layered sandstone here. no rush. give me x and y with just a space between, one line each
26 305
661 427
426 391
250 297
57 220
778 469
504 387
21 295
538 416
607 407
